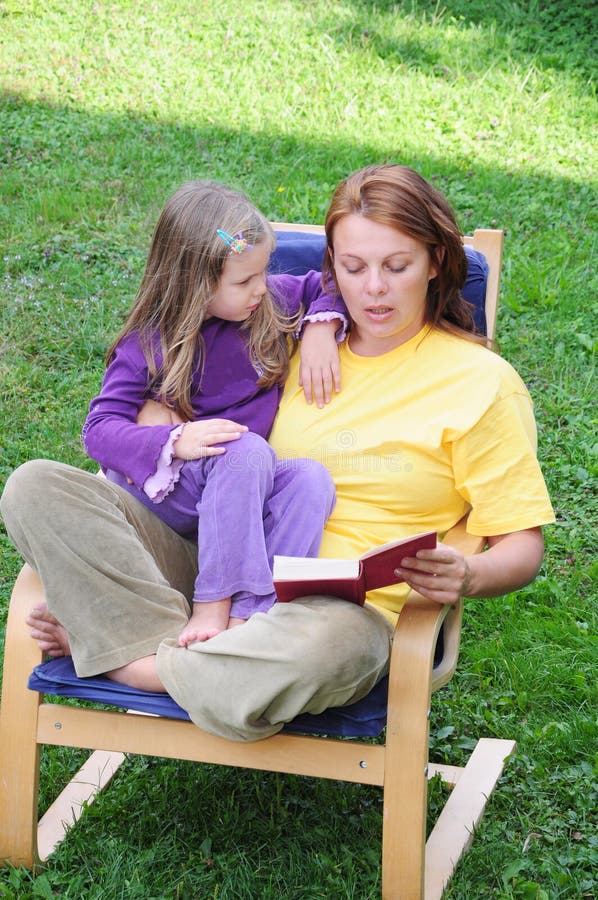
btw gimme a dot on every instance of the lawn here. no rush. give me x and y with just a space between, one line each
106 107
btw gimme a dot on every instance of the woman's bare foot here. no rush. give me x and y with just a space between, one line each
48 632
207 620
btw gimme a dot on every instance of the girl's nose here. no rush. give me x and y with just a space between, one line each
260 287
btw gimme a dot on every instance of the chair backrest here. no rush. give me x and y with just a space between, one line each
301 247
489 241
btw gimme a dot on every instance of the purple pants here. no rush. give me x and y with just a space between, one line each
246 506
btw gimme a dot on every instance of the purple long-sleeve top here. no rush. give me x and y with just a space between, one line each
228 388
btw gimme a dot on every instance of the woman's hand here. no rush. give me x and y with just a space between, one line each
442 574
511 561
196 440
320 370
154 413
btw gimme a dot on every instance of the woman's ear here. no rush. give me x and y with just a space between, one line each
436 259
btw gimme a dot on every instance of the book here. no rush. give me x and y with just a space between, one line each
347 579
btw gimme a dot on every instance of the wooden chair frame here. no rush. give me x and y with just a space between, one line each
411 868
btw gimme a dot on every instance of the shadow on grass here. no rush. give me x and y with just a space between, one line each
67 169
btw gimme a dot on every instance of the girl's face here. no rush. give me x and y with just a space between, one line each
383 275
242 284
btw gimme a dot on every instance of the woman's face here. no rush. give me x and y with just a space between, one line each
383 275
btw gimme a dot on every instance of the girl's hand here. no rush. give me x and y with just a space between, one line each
320 369
442 574
197 438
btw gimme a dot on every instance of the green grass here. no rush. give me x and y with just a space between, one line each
104 109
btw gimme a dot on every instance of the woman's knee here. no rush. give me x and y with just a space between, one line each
26 486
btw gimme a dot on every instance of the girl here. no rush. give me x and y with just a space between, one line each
208 338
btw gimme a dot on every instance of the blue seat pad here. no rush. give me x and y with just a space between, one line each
366 718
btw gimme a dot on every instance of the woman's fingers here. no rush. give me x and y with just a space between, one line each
440 575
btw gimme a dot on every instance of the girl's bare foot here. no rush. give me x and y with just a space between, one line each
48 632
207 620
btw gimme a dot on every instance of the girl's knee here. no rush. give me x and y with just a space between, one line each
315 483
250 453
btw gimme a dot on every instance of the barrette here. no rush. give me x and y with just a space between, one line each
237 244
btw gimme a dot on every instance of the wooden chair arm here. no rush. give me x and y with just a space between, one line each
420 621
21 652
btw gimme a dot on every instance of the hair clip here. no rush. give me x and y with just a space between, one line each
237 244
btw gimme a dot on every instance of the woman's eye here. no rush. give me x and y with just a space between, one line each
352 271
397 269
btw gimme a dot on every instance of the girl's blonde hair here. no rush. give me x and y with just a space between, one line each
399 197
182 273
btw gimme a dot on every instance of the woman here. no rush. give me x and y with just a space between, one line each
429 425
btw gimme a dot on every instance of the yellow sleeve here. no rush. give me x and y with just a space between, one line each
497 472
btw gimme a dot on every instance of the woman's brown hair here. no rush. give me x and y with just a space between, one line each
182 272
399 197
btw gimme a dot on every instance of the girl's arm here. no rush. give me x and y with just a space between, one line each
113 437
323 325
320 371
511 561
110 432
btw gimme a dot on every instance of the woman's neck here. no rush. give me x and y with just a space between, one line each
369 346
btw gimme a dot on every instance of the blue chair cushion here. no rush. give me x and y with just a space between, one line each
299 251
366 718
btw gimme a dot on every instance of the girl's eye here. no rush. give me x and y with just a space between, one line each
352 271
396 269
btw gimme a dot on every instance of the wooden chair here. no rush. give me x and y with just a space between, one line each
411 868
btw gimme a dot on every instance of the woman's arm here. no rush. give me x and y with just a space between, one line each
444 575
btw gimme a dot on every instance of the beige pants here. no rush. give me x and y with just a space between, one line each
119 580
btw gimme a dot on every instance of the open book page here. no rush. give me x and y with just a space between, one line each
292 567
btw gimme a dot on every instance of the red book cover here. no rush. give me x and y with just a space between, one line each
346 579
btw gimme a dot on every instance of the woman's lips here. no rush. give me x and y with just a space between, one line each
379 313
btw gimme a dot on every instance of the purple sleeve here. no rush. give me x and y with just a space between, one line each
168 470
293 291
110 433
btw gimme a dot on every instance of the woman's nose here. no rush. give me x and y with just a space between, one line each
376 285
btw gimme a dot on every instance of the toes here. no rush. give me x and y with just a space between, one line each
41 614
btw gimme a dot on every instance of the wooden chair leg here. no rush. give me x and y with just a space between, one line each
19 751
455 827
405 772
22 841
95 773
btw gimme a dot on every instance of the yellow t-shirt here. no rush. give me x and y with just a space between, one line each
416 439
